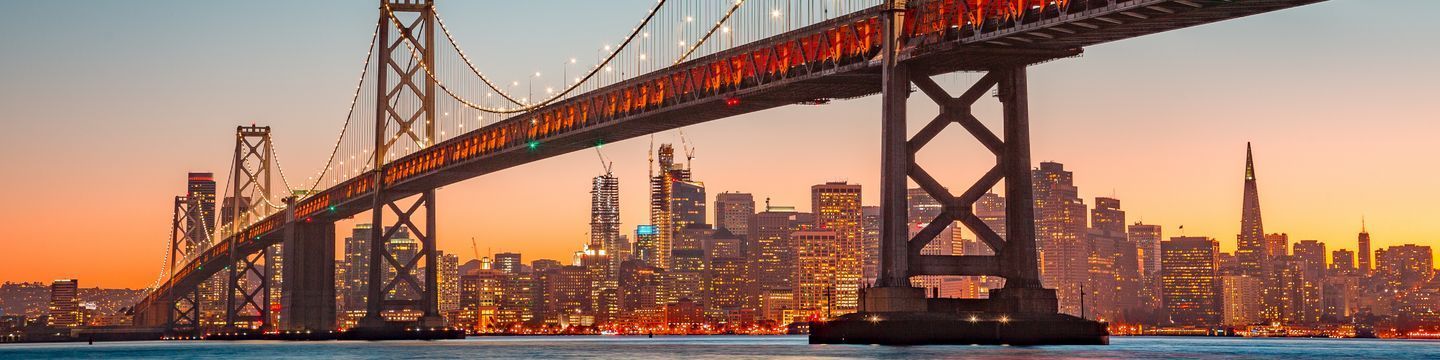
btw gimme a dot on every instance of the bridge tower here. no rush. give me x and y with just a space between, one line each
404 118
894 311
247 296
183 313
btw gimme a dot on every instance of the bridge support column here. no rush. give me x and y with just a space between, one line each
897 313
393 285
1023 293
1023 312
248 293
893 291
307 300
394 290
183 314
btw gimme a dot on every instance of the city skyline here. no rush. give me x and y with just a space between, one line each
1312 190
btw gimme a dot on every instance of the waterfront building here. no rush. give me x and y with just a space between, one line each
1188 267
1060 234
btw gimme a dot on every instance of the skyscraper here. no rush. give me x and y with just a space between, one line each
639 287
357 268
1277 247
403 248
1147 238
730 289
1250 250
605 222
816 292
604 279
1114 262
1405 266
1060 234
647 245
1311 253
565 296
448 274
1241 300
1342 262
65 304
734 212
603 254
870 241
687 204
837 208
1189 280
1280 287
773 261
675 202
1363 249
508 263
200 190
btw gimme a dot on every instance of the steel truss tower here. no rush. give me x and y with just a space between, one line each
404 110
247 301
1016 258
184 313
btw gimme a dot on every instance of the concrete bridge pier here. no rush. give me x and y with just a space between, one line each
307 296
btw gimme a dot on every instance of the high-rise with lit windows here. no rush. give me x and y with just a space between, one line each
1189 281
837 209
734 212
65 304
817 270
675 202
1060 232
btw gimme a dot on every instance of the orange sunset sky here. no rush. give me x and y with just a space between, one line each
106 106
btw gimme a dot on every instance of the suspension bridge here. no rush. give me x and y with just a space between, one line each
424 115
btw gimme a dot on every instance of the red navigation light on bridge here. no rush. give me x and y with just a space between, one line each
732 101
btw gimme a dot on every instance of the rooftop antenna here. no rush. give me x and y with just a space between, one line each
1362 225
652 156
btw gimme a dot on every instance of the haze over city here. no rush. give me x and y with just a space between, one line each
114 103
1169 175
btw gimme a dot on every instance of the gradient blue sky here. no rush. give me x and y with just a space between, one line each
106 105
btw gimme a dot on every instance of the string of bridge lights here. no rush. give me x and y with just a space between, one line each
349 114
596 69
526 106
718 25
164 265
275 156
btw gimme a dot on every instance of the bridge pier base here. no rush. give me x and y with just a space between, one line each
307 297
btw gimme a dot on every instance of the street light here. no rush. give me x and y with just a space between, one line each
532 85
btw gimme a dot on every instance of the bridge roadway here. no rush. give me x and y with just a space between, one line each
835 59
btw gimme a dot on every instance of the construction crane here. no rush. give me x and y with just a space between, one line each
689 150
604 164
474 248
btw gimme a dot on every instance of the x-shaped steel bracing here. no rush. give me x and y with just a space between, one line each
957 110
250 286
413 120
185 313
406 74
